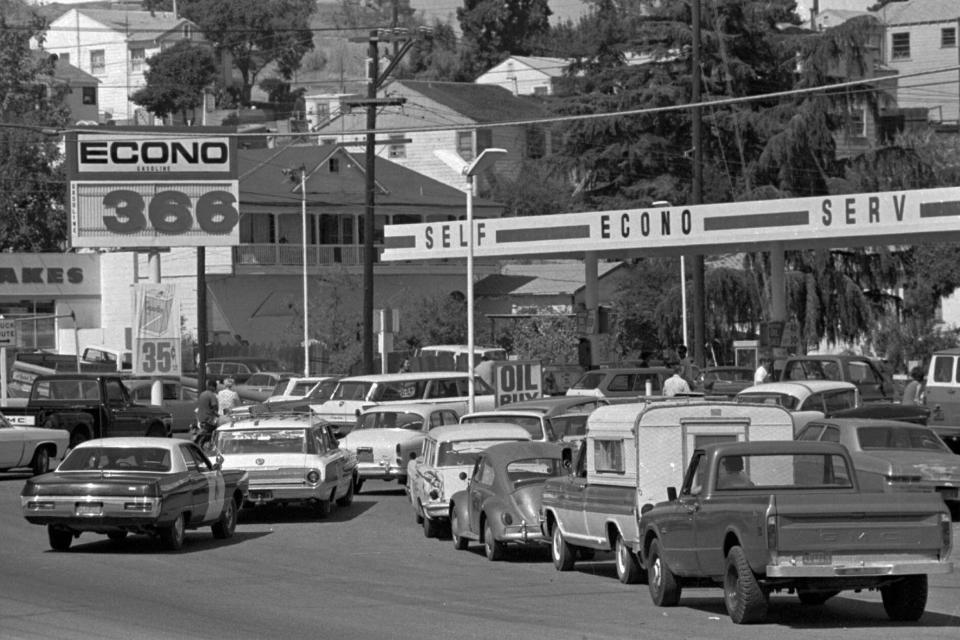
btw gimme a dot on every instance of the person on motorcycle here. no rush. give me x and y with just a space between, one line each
208 411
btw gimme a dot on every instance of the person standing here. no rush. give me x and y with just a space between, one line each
913 389
763 372
208 410
676 384
227 398
687 364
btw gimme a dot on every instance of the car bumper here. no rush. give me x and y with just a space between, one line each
435 510
858 568
526 533
91 513
264 493
380 471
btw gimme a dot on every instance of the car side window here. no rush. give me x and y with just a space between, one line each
810 433
114 393
839 400
193 458
943 368
814 403
830 434
620 382
693 481
487 473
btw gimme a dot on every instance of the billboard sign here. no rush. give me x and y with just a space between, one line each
157 331
146 187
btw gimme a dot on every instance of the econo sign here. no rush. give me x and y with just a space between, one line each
141 188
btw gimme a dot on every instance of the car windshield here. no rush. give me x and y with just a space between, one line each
463 452
391 420
117 459
786 401
589 381
533 470
895 437
533 425
261 441
324 390
351 390
573 425
400 390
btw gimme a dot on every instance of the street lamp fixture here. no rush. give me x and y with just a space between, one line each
486 159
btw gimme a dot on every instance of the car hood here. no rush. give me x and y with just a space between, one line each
930 465
377 437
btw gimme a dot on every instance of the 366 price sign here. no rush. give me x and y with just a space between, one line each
160 357
154 214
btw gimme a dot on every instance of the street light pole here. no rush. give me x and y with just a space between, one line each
306 307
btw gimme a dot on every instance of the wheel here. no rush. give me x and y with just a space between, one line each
41 461
664 588
815 597
156 431
358 484
459 543
172 535
117 536
347 499
628 569
905 600
493 548
431 528
564 555
60 539
78 435
745 599
227 524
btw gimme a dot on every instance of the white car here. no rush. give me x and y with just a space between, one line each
536 423
290 458
447 458
34 447
386 435
300 388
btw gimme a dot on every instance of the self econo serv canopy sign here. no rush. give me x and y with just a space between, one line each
856 219
149 187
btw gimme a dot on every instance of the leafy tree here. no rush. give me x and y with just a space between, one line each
176 79
435 58
32 215
334 321
440 319
494 29
256 33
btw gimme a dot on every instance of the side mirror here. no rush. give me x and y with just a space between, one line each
463 475
671 493
566 457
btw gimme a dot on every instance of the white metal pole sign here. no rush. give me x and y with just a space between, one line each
157 326
137 187
517 380
8 332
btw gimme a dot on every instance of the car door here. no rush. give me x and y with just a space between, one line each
478 489
11 444
571 494
198 483
334 459
416 481
124 418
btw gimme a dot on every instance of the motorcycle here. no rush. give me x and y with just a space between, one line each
202 435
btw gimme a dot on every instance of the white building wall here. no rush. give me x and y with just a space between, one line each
936 92
518 78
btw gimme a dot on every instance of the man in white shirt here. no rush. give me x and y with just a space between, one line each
762 374
675 384
227 397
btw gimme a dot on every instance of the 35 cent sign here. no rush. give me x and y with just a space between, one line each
143 188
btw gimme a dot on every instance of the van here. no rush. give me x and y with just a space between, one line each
355 394
454 357
942 395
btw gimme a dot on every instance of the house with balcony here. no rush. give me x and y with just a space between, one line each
453 116
113 46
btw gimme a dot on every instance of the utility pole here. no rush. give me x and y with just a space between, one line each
699 287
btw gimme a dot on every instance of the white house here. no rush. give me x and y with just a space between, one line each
113 46
526 75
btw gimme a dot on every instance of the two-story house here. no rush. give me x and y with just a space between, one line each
113 46
455 116
82 92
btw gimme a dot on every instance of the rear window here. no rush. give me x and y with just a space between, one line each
391 420
589 381
117 459
785 471
351 390
533 470
900 438
262 441
943 368
786 401
531 424
463 452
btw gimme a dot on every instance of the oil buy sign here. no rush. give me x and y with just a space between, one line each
517 380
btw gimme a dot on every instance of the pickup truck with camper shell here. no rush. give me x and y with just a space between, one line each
761 517
88 406
630 454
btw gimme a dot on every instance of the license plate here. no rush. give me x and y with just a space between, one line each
90 509
258 496
365 455
817 558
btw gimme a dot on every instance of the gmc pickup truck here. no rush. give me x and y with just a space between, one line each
763 517
88 406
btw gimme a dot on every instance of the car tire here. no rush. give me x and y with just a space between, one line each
117 536
628 568
79 434
347 499
745 599
431 528
173 534
905 599
418 513
563 554
357 485
664 587
493 548
41 461
227 524
60 539
815 598
459 542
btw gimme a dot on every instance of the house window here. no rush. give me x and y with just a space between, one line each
484 139
397 148
901 46
137 59
89 95
541 90
948 37
465 144
334 164
536 142
187 32
98 62
856 123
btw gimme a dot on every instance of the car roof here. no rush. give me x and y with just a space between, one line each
761 447
497 416
478 430
132 442
279 420
550 403
851 423
412 407
412 376
798 387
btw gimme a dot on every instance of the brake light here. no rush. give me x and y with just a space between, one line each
945 534
771 532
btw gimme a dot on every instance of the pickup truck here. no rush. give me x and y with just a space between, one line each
630 454
93 359
865 373
88 406
763 517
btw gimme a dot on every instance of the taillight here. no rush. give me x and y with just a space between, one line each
771 532
946 539
506 518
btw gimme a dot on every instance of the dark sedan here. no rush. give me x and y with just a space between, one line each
117 486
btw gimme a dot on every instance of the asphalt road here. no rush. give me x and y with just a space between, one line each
368 572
